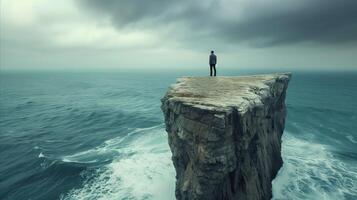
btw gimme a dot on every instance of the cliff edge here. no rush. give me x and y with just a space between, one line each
225 135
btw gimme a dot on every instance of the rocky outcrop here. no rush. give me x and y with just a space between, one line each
225 135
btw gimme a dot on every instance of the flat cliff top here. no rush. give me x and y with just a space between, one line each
223 92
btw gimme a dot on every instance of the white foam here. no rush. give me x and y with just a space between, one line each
351 138
310 171
142 171
108 149
41 155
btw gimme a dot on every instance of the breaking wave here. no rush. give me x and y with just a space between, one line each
311 171
142 169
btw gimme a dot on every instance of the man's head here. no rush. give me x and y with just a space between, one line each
212 52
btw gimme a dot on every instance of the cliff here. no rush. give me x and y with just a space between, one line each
225 135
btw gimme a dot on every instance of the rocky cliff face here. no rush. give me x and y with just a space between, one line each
225 135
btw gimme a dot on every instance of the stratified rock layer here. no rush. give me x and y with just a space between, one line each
225 135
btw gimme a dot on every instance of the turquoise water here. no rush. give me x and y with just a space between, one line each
100 135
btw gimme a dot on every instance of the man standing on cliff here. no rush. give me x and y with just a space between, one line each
213 62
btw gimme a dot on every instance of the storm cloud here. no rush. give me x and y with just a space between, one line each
178 34
259 22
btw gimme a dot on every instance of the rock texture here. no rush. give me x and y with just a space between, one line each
225 135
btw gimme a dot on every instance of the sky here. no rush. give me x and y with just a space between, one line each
178 34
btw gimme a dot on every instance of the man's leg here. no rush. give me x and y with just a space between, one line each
210 67
214 67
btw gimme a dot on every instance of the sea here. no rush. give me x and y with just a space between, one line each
87 135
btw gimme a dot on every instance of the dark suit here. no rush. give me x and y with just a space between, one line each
212 63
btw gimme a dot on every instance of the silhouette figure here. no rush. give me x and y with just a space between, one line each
212 62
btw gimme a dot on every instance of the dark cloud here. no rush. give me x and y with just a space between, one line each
126 12
262 23
324 21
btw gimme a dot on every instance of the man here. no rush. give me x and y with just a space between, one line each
213 62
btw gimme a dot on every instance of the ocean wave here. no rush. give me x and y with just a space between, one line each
41 155
24 105
351 138
319 109
143 170
311 171
109 149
